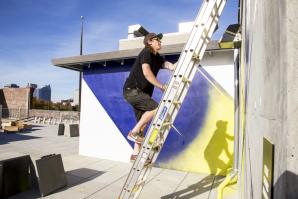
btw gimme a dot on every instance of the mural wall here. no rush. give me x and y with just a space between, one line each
205 119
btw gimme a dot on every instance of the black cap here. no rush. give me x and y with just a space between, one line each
150 36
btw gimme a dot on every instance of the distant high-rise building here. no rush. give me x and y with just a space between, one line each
43 93
11 86
76 97
30 85
36 93
32 89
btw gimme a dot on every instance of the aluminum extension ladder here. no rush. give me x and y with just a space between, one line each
187 65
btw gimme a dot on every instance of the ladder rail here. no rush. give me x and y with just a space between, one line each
180 82
192 34
179 72
191 76
201 51
171 94
146 155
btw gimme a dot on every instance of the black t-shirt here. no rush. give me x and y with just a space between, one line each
136 78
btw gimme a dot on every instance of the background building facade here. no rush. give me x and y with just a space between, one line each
43 93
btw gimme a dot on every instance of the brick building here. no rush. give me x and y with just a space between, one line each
15 101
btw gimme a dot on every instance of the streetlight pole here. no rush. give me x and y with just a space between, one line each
81 43
81 53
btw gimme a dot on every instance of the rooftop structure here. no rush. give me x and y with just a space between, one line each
103 76
172 44
11 86
30 85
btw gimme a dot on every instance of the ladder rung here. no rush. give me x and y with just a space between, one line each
205 36
135 188
205 31
140 182
208 39
176 102
157 147
184 79
167 124
215 9
196 57
216 19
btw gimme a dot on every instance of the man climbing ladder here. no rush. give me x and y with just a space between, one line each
139 85
187 65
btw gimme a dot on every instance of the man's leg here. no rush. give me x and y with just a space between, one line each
145 108
137 146
146 117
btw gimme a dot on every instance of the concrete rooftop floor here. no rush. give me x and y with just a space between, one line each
96 178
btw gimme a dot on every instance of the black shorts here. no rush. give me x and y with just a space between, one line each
140 101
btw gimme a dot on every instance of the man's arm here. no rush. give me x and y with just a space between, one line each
150 77
229 137
169 65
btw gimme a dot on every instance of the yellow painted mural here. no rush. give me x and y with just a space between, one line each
212 150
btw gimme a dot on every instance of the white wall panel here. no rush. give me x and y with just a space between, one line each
99 136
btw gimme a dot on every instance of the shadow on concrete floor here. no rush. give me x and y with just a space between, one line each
35 125
5 138
206 184
74 178
79 176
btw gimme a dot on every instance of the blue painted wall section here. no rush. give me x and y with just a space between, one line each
189 119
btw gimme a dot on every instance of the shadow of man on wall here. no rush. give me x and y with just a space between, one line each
218 144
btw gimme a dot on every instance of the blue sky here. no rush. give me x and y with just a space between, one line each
35 31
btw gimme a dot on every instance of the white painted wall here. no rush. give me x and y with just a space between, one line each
99 136
220 66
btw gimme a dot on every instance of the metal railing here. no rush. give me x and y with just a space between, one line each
54 121
43 117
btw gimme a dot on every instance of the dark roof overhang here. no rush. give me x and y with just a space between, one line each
78 63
